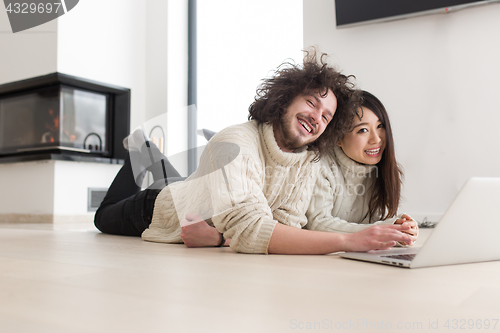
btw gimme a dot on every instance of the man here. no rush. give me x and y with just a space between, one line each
255 180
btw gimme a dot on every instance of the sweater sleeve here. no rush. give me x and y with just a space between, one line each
240 209
319 213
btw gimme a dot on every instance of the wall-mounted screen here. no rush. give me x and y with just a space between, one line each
357 12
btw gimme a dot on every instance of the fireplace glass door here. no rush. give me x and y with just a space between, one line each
58 117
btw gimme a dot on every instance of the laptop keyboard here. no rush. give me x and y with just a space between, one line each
402 256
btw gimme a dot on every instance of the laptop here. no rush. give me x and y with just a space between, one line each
467 233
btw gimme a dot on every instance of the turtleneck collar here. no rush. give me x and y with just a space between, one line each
274 151
351 166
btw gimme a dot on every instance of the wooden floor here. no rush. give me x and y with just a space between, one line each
71 278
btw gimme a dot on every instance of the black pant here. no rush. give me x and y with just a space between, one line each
126 210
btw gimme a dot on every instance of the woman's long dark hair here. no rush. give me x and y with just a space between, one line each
385 198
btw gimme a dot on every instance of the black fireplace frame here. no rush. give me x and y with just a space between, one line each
118 118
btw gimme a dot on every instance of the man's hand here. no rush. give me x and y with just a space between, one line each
197 233
413 232
379 237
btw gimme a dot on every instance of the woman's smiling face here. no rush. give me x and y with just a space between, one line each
365 143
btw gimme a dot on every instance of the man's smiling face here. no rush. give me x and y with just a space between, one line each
305 120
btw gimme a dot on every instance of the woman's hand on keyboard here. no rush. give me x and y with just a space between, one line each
378 237
413 231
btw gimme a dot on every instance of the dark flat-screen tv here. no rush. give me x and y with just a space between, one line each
357 12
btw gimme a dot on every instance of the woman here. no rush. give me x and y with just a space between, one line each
359 182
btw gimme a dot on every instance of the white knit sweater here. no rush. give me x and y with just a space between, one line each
247 197
341 196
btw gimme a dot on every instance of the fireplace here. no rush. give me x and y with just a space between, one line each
62 117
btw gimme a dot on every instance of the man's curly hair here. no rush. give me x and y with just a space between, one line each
275 94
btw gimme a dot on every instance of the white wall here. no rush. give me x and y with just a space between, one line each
27 188
28 53
50 191
72 181
439 78
156 57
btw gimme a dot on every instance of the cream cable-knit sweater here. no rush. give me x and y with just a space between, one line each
245 198
342 194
